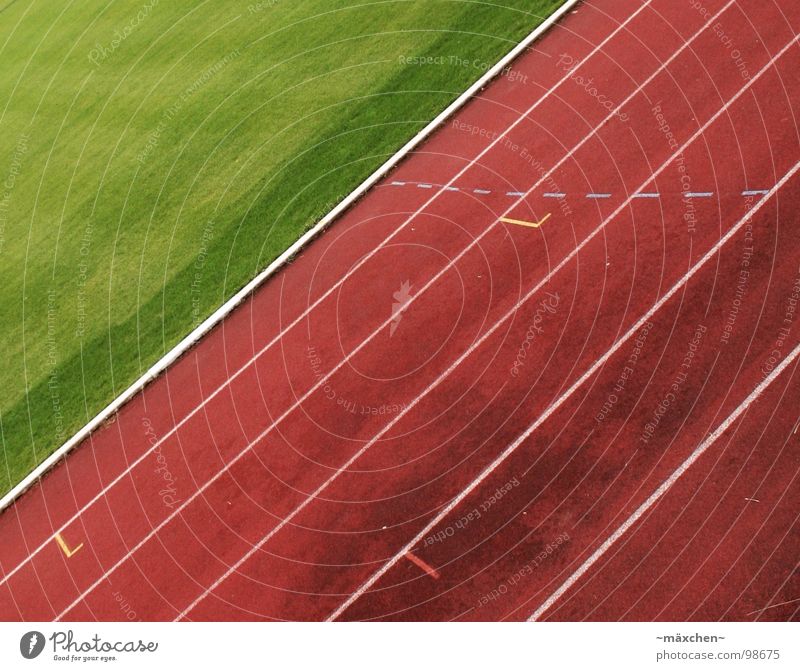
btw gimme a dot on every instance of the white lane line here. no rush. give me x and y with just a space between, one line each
757 192
481 191
664 487
424 186
485 336
646 195
515 193
555 195
777 605
322 381
398 184
563 398
597 49
598 195
698 194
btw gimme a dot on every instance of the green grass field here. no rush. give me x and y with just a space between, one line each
144 141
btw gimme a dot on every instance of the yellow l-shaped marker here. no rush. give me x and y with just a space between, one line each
65 548
529 224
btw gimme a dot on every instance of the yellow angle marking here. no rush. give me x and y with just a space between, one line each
529 224
65 548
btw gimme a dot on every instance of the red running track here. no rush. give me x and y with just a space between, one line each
433 414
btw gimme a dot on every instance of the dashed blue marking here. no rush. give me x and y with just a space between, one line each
561 194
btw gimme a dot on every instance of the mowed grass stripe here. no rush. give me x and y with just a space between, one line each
156 157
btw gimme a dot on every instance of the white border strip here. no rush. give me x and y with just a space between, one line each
226 308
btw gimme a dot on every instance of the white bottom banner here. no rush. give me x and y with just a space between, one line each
401 646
